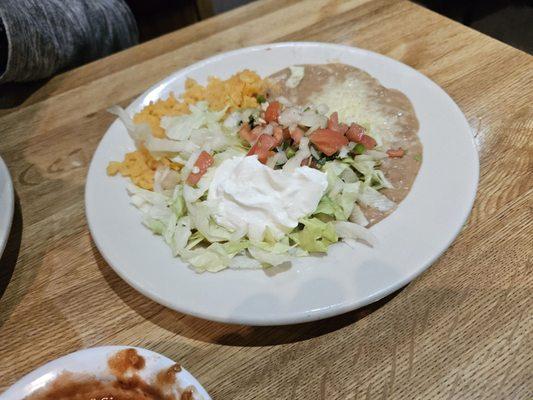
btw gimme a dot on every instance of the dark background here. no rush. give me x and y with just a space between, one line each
510 21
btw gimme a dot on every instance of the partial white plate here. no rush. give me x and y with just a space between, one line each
93 362
423 226
7 202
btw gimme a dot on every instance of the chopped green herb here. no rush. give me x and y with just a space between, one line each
307 108
290 152
261 99
418 157
325 159
359 149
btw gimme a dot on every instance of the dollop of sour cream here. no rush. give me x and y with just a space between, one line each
247 196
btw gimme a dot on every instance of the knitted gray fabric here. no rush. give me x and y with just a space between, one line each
41 37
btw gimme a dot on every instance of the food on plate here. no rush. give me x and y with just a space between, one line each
125 366
379 118
250 172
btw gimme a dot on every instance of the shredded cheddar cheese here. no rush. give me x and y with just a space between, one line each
239 91
152 113
140 167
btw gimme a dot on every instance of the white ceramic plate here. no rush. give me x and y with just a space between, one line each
422 227
94 362
7 202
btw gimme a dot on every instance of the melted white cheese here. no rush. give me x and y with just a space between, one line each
247 196
353 101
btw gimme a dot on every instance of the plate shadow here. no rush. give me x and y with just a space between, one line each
227 334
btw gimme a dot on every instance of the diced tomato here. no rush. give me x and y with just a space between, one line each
328 141
368 142
396 153
355 133
333 121
262 147
203 162
297 134
333 124
266 141
278 135
257 131
248 134
272 111
343 128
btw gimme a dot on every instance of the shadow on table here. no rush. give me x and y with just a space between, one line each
273 335
9 258
227 334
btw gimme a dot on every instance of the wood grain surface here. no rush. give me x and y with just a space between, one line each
462 330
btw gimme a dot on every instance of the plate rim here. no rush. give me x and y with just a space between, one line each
10 198
19 387
310 315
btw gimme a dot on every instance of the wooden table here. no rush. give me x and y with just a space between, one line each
462 330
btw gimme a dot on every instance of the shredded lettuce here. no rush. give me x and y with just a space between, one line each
154 225
138 132
346 199
235 247
182 127
200 214
191 194
381 181
170 228
146 196
177 203
278 247
349 230
212 259
357 216
370 197
195 239
343 191
365 166
316 236
155 145
329 207
231 152
349 176
181 235
233 120
244 262
269 258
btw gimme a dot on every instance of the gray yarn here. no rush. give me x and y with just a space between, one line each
46 36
